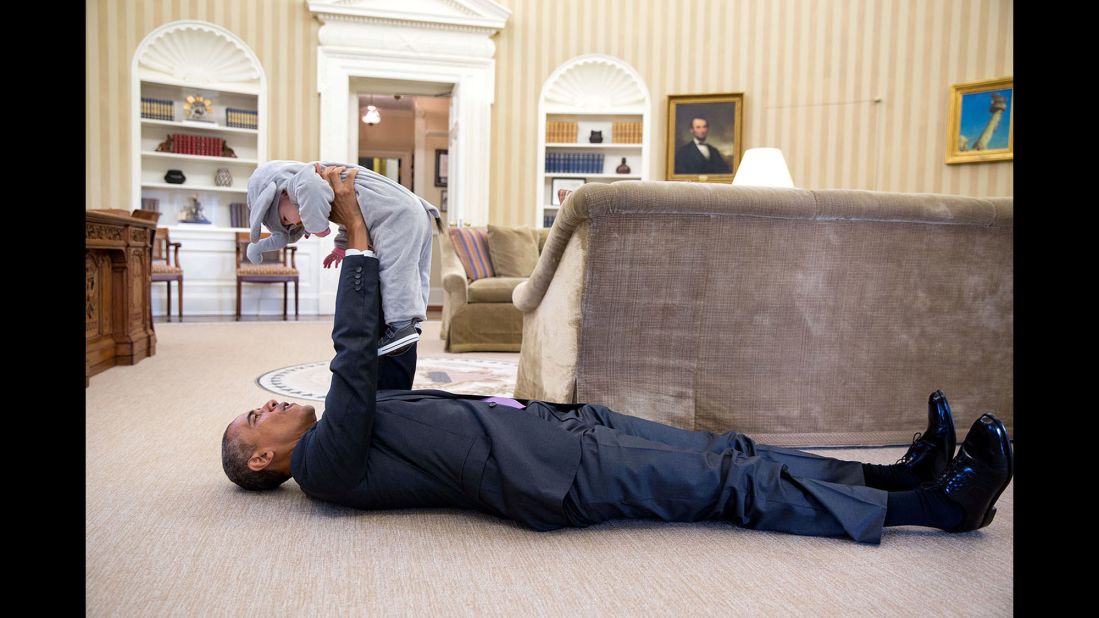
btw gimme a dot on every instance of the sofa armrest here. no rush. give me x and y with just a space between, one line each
454 278
551 304
455 285
572 214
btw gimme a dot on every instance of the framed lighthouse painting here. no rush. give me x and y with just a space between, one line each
982 117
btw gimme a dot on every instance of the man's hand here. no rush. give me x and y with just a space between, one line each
345 206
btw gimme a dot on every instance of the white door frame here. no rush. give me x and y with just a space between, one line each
447 44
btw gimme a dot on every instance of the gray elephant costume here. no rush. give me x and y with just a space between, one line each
399 221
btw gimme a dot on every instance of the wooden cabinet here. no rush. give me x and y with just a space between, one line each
119 320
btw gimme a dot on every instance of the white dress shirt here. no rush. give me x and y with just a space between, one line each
704 149
366 252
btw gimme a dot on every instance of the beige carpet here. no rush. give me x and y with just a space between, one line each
168 534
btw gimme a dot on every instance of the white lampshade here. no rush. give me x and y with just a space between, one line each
763 167
372 116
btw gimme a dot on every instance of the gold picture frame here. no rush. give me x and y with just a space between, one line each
978 130
718 119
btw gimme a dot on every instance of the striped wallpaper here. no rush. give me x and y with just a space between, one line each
855 92
283 35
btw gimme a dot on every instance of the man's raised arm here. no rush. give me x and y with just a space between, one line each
341 440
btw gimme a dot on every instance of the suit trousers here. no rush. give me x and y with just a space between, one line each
639 469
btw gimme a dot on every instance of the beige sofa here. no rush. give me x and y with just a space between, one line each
478 316
798 317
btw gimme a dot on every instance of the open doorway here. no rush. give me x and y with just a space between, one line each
402 130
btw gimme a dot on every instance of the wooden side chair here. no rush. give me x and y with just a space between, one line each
166 267
276 267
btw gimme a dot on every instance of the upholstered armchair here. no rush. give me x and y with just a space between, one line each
276 267
478 315
166 267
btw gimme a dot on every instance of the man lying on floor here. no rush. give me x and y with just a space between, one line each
547 465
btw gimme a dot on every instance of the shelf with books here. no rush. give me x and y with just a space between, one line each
161 123
598 97
193 187
596 146
188 157
198 126
607 176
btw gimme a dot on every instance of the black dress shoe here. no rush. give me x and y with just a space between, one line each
979 473
933 449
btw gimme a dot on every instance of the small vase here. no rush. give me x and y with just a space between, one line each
596 137
623 169
175 177
223 178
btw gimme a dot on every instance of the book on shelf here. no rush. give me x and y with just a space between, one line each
238 214
241 118
157 109
199 145
626 133
559 132
547 220
574 163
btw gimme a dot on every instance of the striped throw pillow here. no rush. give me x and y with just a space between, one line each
471 245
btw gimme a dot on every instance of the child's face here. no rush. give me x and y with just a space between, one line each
288 212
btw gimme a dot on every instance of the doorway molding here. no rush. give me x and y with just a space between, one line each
441 41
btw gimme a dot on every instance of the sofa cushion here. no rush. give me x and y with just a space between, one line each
514 250
493 289
471 247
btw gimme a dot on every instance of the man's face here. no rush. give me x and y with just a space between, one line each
288 212
699 129
274 424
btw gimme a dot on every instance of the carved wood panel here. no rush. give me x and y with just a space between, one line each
93 294
99 231
139 286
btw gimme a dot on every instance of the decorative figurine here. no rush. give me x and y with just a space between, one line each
175 177
623 169
596 137
226 151
193 213
165 146
198 108
224 179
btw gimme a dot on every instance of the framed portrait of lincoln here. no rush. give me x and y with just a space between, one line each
704 136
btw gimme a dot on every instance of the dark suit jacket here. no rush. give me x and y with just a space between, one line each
688 160
397 449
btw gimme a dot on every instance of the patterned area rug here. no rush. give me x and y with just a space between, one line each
474 377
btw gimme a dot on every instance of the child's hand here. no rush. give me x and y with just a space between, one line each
334 258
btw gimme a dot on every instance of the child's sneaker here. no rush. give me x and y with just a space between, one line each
398 341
